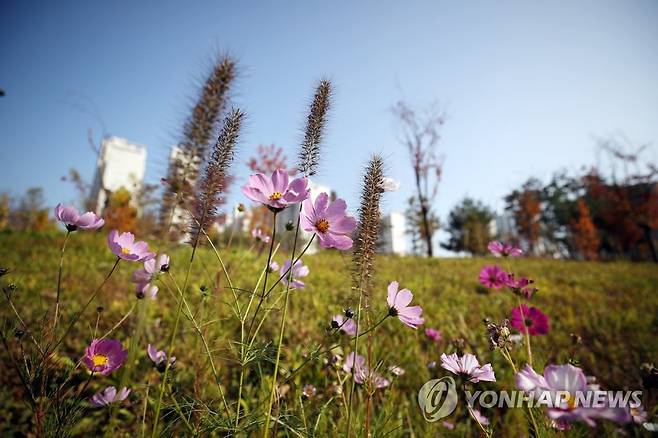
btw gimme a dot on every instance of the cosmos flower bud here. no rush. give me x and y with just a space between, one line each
290 226
334 324
18 333
241 208
99 309
349 313
3 271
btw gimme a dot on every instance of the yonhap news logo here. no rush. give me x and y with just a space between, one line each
438 398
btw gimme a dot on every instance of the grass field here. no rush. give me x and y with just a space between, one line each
612 307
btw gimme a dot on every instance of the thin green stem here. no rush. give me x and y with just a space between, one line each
281 329
172 342
285 273
206 347
267 312
179 411
267 273
228 278
527 332
22 322
356 349
59 280
146 400
82 311
374 326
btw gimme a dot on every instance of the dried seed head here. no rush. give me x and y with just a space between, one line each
367 231
198 132
498 334
310 152
216 173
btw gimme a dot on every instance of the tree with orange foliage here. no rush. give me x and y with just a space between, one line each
585 237
525 206
120 214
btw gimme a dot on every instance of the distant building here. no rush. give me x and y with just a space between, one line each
120 164
503 227
180 164
233 220
393 234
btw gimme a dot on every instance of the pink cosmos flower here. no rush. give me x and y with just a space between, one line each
347 325
398 305
298 271
152 267
504 250
477 416
124 246
469 367
448 425
274 266
492 277
329 221
258 234
362 373
433 334
146 290
104 356
522 286
159 357
73 220
144 276
109 395
566 387
276 192
530 319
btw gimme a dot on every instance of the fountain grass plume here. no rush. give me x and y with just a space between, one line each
199 128
367 231
213 181
309 154
363 259
198 132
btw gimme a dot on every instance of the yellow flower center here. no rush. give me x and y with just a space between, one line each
322 225
275 196
571 401
99 360
125 250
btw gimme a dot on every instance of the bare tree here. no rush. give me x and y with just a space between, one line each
420 133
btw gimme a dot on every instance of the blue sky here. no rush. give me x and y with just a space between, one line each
527 86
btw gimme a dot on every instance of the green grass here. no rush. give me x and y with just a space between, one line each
613 307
